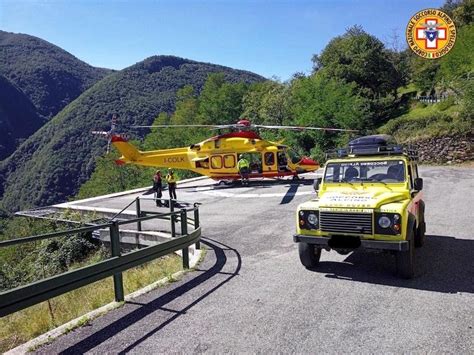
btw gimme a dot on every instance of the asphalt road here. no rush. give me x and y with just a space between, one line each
251 293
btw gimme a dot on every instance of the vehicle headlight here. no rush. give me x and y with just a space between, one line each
312 219
384 222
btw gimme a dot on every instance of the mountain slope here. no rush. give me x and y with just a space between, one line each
48 75
37 80
18 117
52 164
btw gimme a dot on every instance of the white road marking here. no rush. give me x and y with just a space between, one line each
209 191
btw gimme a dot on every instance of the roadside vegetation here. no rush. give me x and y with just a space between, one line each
26 263
31 322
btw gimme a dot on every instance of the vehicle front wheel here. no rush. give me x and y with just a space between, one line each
406 261
309 255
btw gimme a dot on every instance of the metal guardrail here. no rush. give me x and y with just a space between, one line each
25 296
432 99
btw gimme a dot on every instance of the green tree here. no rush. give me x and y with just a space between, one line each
424 73
463 13
108 177
267 103
322 101
359 57
220 102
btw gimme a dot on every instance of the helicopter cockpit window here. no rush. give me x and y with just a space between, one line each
294 156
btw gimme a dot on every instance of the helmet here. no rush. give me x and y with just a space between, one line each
241 156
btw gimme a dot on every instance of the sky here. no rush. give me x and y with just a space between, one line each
271 38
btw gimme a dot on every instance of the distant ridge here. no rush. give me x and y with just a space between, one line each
48 75
37 80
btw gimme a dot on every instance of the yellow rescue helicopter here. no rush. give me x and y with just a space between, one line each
217 157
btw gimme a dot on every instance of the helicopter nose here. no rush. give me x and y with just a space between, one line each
308 161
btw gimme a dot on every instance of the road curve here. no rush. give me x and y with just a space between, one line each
251 293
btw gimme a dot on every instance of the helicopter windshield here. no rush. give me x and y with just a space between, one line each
294 156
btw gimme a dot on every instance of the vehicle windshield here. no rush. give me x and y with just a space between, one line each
386 171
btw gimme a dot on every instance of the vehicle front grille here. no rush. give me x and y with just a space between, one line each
346 222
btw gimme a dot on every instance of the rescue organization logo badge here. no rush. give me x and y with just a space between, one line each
431 33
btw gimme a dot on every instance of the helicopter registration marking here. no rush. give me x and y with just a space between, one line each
174 160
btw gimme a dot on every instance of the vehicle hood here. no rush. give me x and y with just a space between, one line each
359 198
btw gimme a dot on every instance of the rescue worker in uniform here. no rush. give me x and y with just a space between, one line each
157 188
243 165
171 180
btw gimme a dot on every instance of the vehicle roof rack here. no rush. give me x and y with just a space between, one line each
373 145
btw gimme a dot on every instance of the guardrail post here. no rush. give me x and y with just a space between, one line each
196 223
115 245
184 231
139 214
173 231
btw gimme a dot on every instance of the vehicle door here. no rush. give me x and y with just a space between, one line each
416 195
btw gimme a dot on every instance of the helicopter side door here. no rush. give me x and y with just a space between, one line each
269 161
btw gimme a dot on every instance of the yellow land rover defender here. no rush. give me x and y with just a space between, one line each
369 197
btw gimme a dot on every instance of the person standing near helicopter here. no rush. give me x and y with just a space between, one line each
157 188
171 180
243 165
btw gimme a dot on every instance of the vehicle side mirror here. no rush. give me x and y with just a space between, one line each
316 184
418 184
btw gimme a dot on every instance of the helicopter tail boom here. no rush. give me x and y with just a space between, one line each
129 152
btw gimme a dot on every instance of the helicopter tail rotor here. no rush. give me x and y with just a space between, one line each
108 134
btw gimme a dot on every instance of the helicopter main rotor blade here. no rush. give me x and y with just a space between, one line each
303 128
181 125
101 133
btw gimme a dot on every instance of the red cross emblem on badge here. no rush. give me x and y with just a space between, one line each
431 32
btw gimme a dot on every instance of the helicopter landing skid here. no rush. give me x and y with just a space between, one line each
227 182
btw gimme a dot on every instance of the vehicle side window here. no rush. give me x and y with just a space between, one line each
216 162
269 158
229 161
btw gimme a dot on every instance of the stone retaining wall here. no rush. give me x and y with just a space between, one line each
445 149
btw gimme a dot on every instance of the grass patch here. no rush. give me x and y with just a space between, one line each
410 88
29 323
425 121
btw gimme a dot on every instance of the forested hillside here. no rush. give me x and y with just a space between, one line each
52 164
37 80
48 75
18 117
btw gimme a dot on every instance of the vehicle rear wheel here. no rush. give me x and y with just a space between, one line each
406 261
309 255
